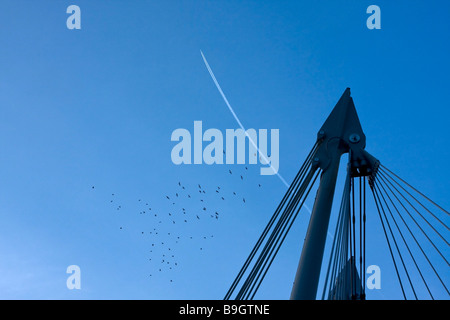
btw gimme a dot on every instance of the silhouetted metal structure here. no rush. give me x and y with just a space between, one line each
342 134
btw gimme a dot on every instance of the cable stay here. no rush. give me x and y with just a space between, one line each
420 193
390 197
275 232
342 280
403 238
417 223
387 176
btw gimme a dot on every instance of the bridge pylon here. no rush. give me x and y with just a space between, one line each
341 133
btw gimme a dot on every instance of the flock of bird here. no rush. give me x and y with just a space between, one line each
186 205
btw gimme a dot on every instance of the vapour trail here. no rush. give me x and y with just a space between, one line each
237 119
211 73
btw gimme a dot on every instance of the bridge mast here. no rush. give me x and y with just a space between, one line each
341 133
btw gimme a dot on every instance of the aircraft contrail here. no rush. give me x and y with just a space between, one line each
211 73
236 117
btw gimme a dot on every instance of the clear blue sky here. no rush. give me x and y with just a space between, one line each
97 106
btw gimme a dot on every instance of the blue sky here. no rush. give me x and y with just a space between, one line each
97 106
